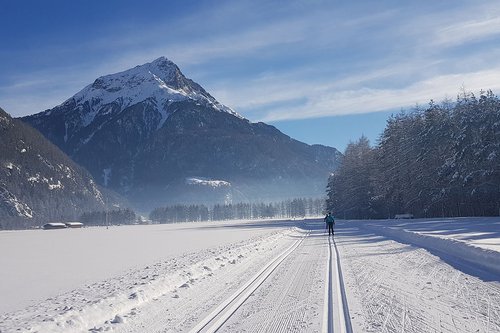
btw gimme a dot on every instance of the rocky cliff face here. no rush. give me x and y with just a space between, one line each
145 131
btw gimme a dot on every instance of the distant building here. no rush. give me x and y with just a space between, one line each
404 216
54 225
74 224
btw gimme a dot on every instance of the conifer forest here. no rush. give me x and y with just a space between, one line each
442 160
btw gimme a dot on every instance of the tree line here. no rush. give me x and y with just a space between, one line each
442 160
240 211
112 217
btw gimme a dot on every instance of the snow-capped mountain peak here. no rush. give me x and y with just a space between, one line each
160 82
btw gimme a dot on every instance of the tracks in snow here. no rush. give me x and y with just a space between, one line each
403 288
336 316
274 305
217 318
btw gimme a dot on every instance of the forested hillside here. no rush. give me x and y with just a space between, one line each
38 182
443 160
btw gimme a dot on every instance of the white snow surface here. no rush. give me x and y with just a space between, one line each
417 276
423 275
207 182
45 263
475 243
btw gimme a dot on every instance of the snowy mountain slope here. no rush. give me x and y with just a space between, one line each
38 181
150 91
160 81
390 286
206 182
143 131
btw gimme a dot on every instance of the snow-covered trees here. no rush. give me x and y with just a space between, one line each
350 188
440 161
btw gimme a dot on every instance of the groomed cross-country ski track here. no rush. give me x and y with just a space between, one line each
290 276
335 312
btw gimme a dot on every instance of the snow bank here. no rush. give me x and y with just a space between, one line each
393 287
462 251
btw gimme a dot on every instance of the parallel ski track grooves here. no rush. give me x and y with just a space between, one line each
215 320
335 285
347 317
328 303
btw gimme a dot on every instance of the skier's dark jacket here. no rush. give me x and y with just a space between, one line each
329 219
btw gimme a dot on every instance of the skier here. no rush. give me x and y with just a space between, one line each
330 221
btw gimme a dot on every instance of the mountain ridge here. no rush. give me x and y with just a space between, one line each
38 182
150 127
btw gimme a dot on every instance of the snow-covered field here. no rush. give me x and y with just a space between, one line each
435 275
439 275
39 264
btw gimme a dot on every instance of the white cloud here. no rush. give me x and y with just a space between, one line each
409 62
470 31
364 100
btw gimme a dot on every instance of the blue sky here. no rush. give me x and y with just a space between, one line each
321 71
